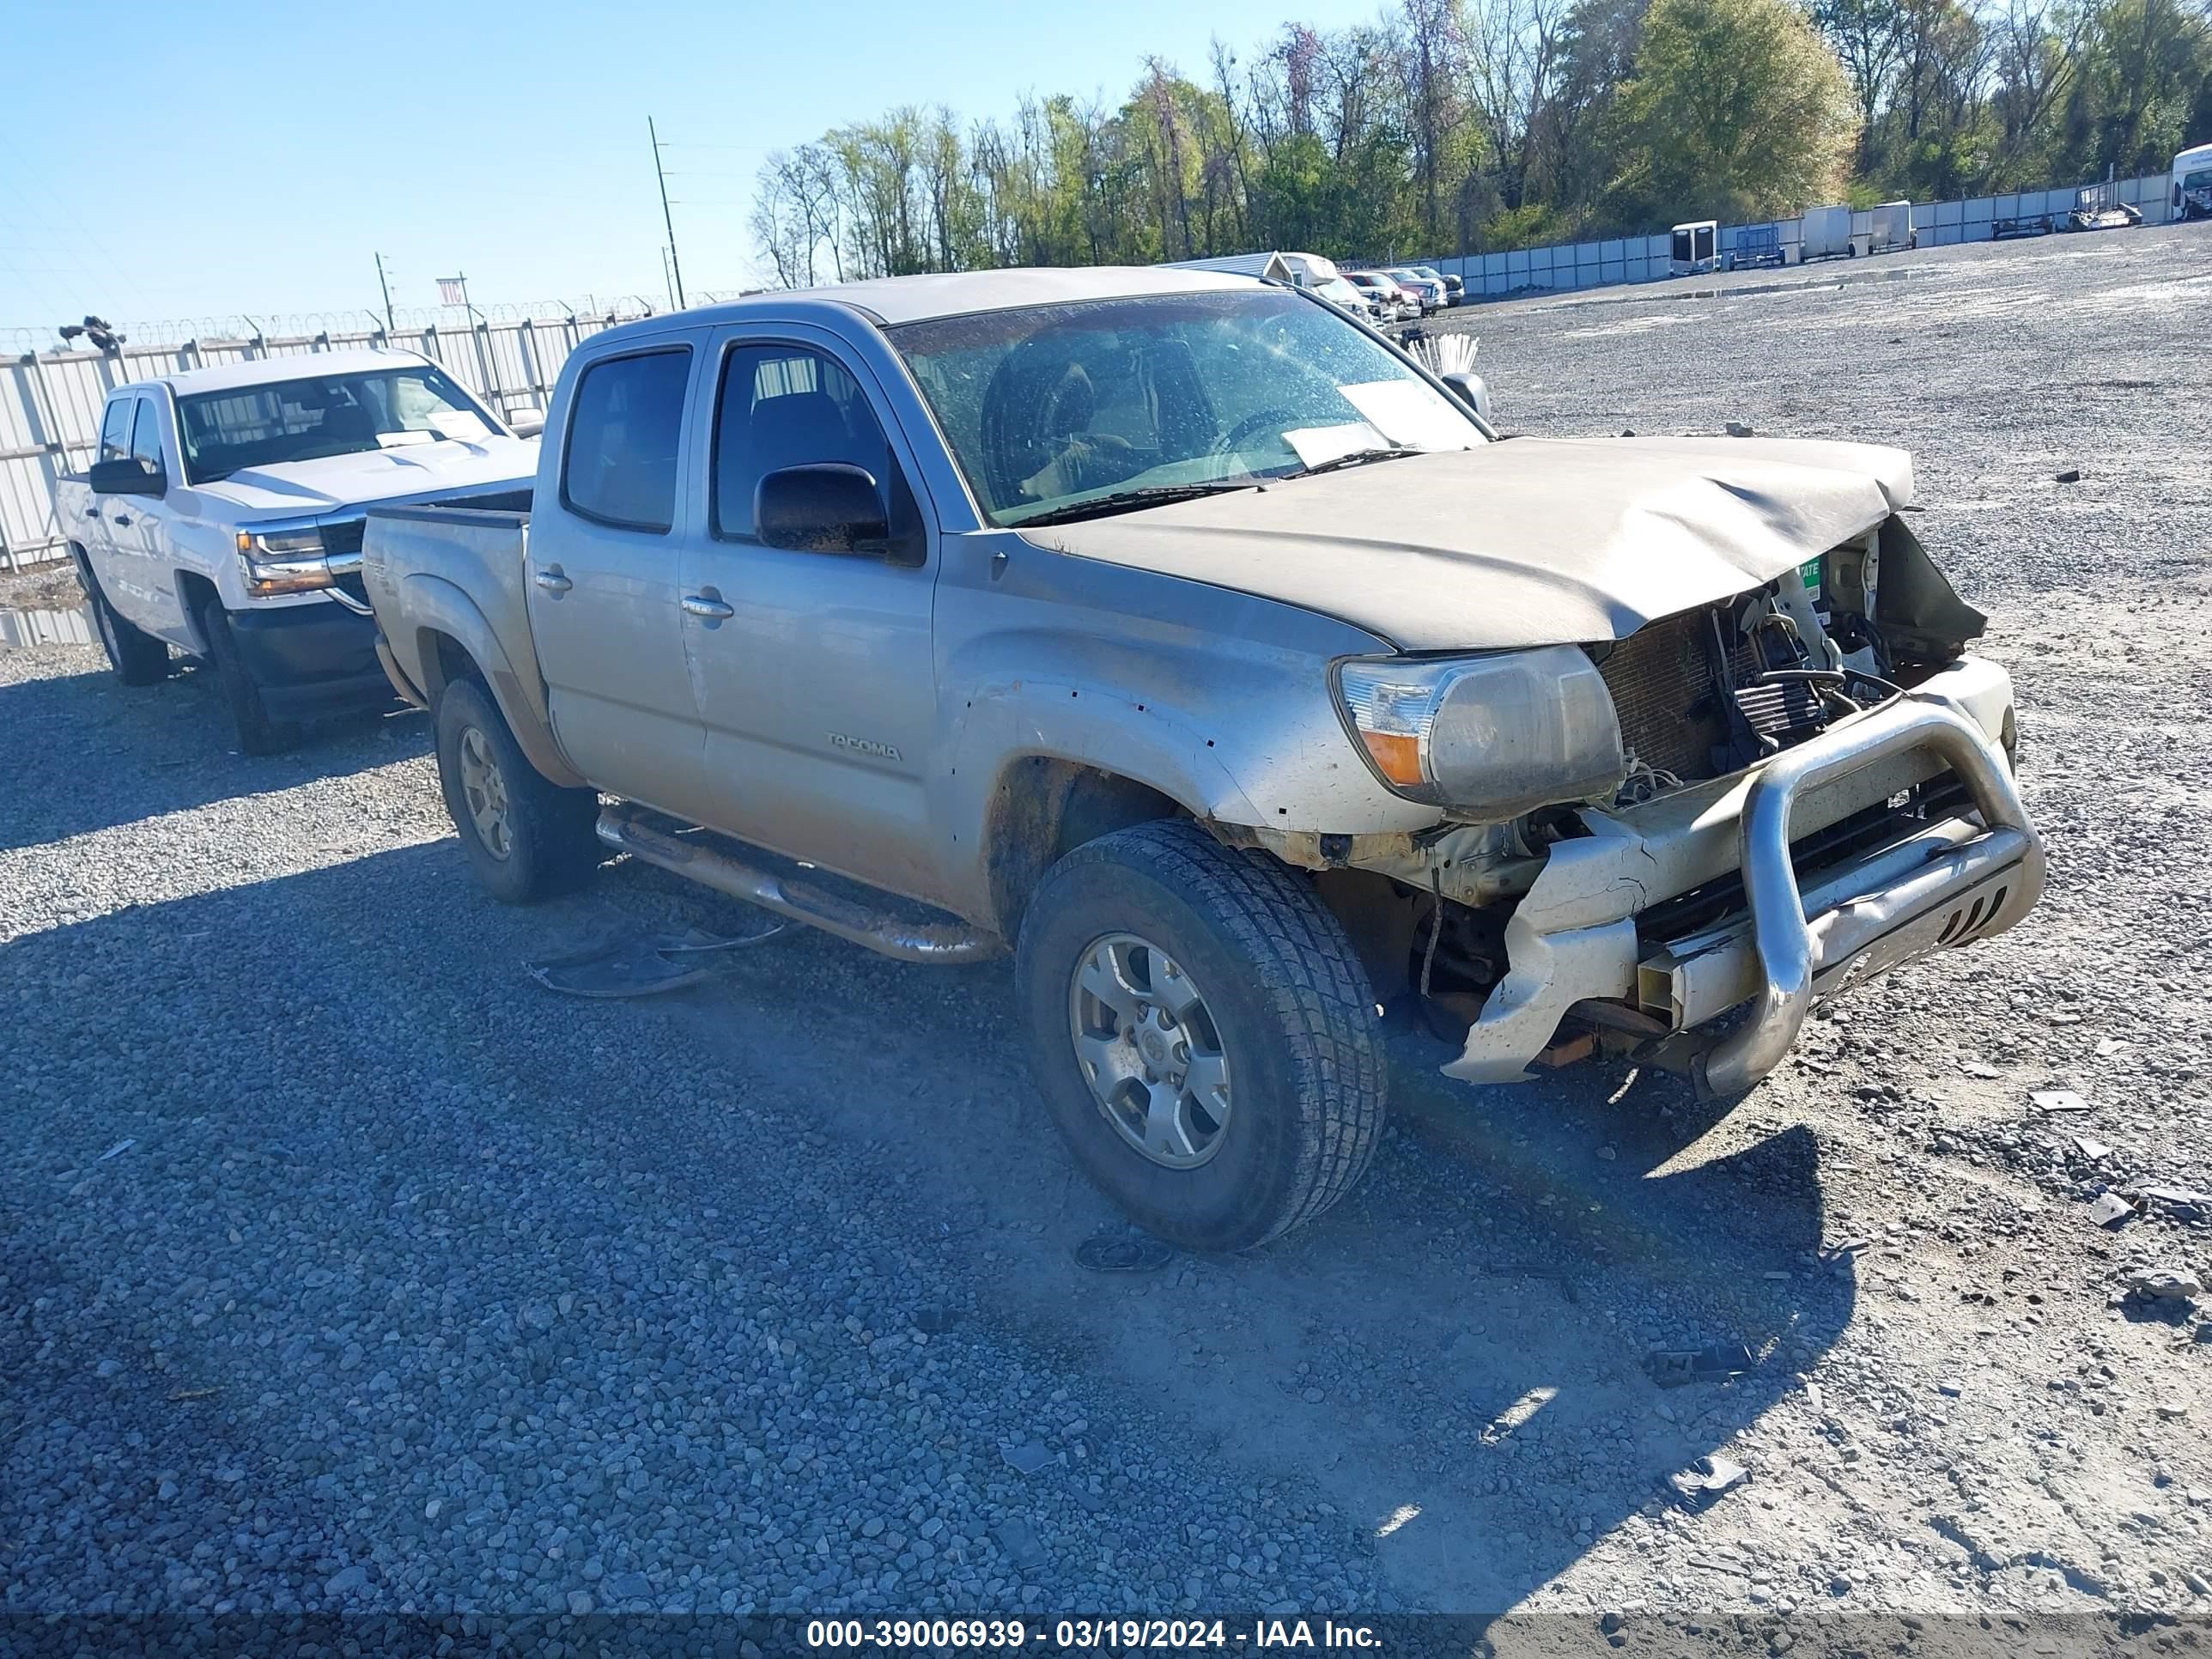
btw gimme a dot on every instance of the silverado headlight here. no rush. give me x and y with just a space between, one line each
1499 735
290 558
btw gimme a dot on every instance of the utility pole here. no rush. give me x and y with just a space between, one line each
382 282
675 265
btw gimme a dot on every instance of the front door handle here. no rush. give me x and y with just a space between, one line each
92 513
553 582
699 605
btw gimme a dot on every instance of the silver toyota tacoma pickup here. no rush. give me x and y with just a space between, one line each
1196 643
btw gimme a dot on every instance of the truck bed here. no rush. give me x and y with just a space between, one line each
460 573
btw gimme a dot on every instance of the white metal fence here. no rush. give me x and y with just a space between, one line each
50 402
1641 258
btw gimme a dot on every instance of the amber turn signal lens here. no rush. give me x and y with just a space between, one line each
1397 755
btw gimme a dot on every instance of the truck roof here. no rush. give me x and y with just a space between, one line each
891 300
266 371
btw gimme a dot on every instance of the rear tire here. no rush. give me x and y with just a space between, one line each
1236 1035
257 734
137 657
527 838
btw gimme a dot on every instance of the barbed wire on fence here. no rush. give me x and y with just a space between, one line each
174 333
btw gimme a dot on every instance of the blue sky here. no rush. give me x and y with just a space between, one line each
160 161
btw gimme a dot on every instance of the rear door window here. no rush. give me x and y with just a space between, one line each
624 429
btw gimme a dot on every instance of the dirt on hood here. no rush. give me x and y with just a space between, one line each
1525 543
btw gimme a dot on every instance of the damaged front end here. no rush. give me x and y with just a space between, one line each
1810 784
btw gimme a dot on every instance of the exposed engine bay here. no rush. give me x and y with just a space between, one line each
1626 920
1712 691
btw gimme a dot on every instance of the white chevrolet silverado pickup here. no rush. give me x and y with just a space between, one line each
1194 641
222 515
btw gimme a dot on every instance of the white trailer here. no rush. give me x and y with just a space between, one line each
1299 270
1889 227
1696 249
1825 233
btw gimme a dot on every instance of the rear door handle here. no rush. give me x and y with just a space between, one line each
553 582
92 513
712 609
122 518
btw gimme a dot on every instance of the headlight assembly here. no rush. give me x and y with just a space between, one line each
1496 736
290 558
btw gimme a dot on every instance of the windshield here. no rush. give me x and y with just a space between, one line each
1051 407
2197 179
304 420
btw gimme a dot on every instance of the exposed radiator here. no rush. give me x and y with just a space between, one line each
1663 689
1675 700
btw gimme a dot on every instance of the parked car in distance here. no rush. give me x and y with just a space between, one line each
1350 296
1392 303
222 516
1428 292
1204 650
1455 287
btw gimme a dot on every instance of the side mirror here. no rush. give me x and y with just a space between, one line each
831 506
1474 390
529 423
126 476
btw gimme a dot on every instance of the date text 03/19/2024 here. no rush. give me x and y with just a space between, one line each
1111 1635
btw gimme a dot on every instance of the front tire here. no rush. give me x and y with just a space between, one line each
257 734
527 838
1203 1035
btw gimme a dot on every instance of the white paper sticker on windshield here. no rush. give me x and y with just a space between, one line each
458 423
1314 445
1408 413
402 440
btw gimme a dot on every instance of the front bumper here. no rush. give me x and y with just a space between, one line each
311 659
1796 935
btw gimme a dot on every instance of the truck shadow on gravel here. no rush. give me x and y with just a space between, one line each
1434 1397
1462 1354
158 749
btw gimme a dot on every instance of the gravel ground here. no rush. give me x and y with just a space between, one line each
341 1266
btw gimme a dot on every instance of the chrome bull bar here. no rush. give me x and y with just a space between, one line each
1798 957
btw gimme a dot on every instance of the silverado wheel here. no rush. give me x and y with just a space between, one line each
527 838
137 657
257 734
1203 1034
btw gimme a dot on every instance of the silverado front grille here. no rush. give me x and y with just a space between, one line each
343 535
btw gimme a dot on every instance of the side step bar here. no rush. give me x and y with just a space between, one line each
906 938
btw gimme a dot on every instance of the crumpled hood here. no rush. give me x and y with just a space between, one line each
1526 543
378 475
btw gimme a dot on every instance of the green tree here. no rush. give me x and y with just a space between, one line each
1737 109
